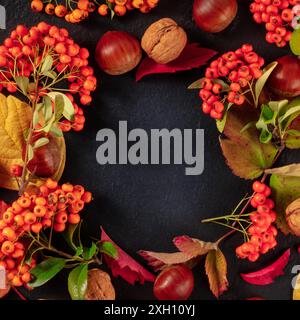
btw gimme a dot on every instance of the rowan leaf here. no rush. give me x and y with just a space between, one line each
250 164
216 271
285 189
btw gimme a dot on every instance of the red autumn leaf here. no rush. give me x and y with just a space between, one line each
191 57
125 266
267 275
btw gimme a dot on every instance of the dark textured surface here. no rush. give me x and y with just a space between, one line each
144 207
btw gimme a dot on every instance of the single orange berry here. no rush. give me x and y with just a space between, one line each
103 10
36 227
47 223
24 202
30 218
8 217
40 201
7 247
9 234
37 5
67 187
60 11
87 197
19 220
51 184
74 218
16 281
26 277
120 10
40 211
59 227
61 217
50 9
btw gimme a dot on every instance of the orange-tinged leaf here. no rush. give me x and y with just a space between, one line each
159 260
15 118
193 247
250 164
216 270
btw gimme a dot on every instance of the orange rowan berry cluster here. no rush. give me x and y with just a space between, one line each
227 78
23 53
83 8
53 206
262 232
280 18
120 7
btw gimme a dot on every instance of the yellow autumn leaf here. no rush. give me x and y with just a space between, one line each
296 292
15 117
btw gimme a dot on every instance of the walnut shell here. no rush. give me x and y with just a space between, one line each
164 41
99 286
293 217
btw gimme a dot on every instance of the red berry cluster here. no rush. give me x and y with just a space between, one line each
227 77
262 232
53 206
23 53
277 16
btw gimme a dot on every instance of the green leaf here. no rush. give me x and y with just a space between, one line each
263 79
294 133
265 136
277 106
40 142
59 107
79 251
290 112
56 131
46 270
88 253
35 119
22 82
285 189
295 42
69 111
47 110
221 123
50 74
30 152
109 249
70 234
77 282
291 170
198 84
47 64
245 155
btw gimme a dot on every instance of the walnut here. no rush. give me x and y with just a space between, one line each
293 217
164 40
99 286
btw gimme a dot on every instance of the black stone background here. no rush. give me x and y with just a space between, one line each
144 207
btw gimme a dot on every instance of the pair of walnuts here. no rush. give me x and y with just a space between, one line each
164 41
